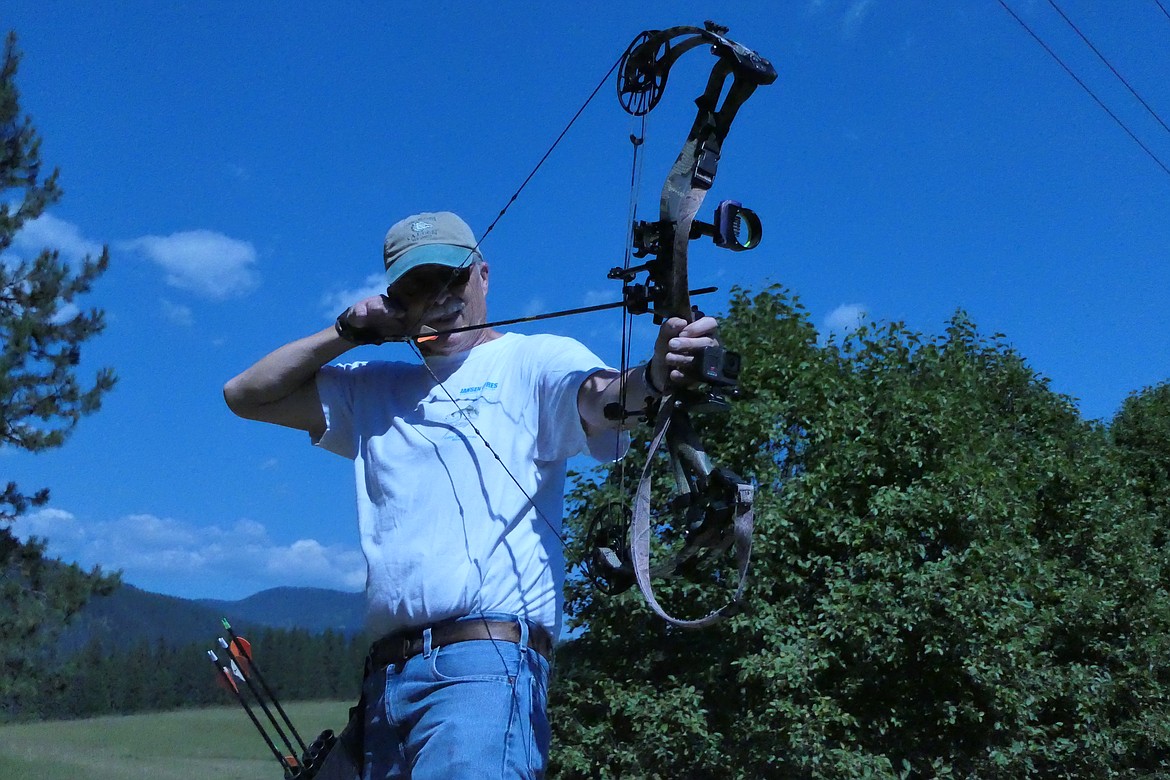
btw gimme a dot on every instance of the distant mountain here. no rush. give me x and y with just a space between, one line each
130 615
314 609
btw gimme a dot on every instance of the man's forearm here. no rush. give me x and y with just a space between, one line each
283 371
604 389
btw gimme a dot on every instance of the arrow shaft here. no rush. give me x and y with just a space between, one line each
227 675
537 317
272 718
264 684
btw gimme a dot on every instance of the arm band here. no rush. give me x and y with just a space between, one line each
648 380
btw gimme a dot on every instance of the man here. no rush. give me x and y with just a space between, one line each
460 470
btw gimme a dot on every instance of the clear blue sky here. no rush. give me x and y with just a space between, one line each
243 162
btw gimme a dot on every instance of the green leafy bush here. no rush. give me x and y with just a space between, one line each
953 575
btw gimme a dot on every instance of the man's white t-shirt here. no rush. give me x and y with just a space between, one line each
445 528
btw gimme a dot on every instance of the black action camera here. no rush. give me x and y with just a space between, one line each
716 366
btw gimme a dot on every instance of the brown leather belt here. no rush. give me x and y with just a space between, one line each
398 647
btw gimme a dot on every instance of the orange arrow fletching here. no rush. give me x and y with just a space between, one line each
241 652
226 679
241 647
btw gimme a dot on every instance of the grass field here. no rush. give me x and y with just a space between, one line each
217 743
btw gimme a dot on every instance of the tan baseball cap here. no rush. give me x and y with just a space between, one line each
430 238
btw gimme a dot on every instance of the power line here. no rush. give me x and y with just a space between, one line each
1159 3
1085 87
1109 65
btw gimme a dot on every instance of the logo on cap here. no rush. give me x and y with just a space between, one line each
421 226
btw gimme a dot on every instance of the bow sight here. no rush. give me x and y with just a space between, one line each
733 227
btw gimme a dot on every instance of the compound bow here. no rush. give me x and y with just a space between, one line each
715 504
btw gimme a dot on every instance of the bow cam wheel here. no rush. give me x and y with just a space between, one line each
640 80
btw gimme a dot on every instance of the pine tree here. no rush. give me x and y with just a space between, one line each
41 396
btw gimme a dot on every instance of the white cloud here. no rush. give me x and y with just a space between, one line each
338 301
66 313
308 557
208 264
854 16
851 17
178 557
846 318
598 297
239 172
49 232
176 313
57 524
534 307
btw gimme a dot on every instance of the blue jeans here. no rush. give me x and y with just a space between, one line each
470 710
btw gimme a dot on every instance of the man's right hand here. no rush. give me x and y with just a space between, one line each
374 320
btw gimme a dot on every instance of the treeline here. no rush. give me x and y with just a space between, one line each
154 675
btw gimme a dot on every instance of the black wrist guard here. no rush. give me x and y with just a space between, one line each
356 335
648 380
